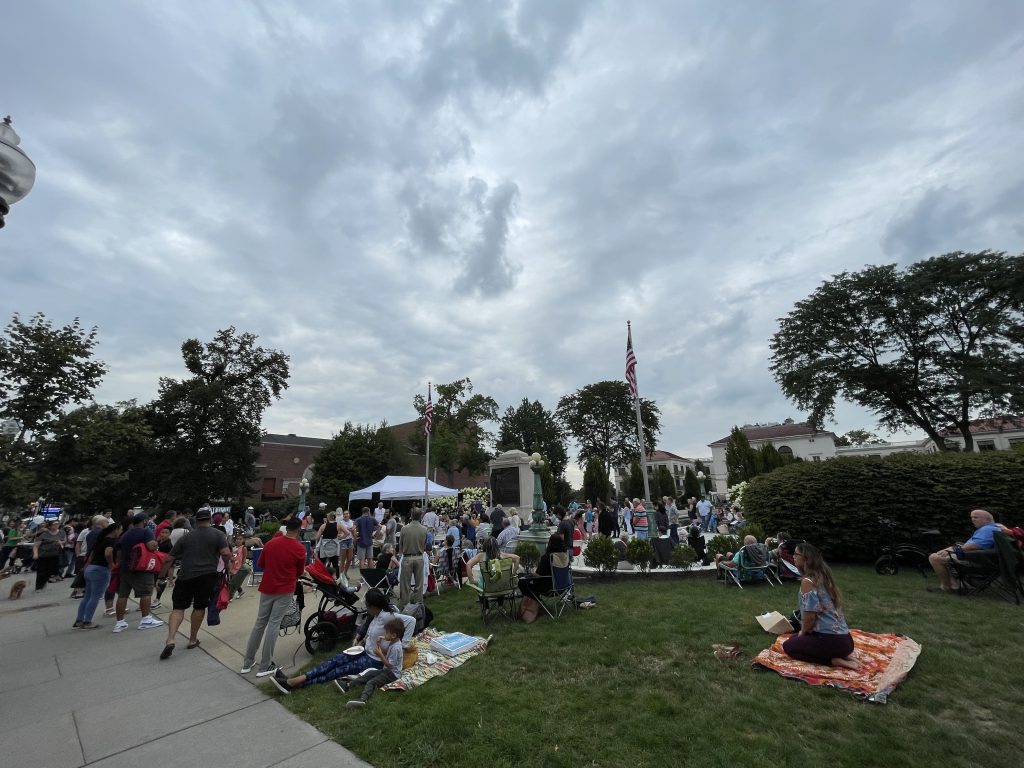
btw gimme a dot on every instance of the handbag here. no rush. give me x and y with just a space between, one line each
529 610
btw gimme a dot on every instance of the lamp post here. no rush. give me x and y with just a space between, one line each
700 481
17 172
538 532
303 488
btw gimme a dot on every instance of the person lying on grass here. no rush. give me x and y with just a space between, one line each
824 637
379 613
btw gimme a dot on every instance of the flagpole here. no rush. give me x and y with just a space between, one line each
639 422
426 467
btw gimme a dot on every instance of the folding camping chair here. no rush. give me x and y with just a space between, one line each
256 575
1011 566
377 578
999 568
746 572
499 591
562 594
976 570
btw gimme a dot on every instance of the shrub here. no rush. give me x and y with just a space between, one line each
269 528
528 554
683 557
600 553
836 504
755 530
640 553
722 544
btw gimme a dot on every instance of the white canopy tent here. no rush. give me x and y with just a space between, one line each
395 487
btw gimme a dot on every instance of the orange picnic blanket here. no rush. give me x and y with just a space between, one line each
885 662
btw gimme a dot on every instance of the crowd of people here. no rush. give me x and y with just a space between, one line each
111 559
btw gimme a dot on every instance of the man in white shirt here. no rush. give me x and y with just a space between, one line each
430 519
378 513
704 510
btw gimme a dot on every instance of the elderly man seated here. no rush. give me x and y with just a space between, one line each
983 539
757 555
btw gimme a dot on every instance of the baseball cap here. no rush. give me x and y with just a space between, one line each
249 509
140 517
293 523
204 514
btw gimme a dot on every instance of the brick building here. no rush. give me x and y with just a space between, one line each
285 459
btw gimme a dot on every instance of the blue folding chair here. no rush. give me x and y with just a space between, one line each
562 594
256 575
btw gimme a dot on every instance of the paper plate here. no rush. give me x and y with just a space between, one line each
355 650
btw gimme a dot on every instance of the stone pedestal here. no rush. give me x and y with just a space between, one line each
511 483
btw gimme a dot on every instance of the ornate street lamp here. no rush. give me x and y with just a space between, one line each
17 172
538 532
700 479
303 488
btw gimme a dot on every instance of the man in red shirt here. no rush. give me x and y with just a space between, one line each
283 560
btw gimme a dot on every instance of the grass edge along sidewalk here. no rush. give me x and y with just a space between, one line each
633 683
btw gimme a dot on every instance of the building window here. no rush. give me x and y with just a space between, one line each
785 450
815 458
986 445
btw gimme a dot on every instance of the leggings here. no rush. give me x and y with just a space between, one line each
339 666
817 648
45 568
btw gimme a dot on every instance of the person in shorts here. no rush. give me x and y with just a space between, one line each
366 526
141 584
199 554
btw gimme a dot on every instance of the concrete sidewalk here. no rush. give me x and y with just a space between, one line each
71 698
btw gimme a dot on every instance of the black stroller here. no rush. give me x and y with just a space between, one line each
337 615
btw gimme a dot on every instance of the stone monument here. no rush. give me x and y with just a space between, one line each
511 482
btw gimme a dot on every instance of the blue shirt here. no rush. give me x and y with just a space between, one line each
129 539
831 620
365 525
703 507
985 537
456 534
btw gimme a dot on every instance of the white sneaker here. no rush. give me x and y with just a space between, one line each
268 671
121 626
150 621
245 670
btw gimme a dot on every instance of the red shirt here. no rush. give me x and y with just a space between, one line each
283 560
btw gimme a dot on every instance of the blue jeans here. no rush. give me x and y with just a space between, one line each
704 519
96 580
339 666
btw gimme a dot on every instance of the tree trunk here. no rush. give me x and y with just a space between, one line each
965 430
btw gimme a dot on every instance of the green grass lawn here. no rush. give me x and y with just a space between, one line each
633 683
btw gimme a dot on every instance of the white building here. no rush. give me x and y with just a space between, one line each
1001 433
798 440
887 449
675 464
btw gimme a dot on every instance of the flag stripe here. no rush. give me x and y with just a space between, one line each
630 364
428 414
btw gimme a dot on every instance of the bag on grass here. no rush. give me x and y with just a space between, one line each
529 610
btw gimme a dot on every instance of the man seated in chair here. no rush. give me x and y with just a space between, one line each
757 555
983 539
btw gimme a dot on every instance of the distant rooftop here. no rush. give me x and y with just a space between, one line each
292 439
986 426
776 431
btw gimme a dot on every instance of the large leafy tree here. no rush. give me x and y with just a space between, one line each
458 438
532 427
207 427
43 370
93 455
359 455
665 482
740 459
691 486
601 419
595 480
932 346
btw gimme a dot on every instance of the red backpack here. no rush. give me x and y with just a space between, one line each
141 560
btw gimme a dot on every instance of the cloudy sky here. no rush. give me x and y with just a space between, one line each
399 192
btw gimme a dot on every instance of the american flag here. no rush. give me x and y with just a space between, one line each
630 362
428 414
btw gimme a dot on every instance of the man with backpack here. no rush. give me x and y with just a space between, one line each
139 582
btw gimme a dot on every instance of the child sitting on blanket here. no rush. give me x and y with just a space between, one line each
389 651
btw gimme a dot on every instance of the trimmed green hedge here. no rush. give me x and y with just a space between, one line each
836 504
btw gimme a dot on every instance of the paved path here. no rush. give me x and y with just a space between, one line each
73 698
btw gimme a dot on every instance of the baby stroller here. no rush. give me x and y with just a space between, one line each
337 615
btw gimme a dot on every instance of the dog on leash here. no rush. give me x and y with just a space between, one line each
17 589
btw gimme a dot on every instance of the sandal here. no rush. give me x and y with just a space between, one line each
192 645
726 651
167 651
